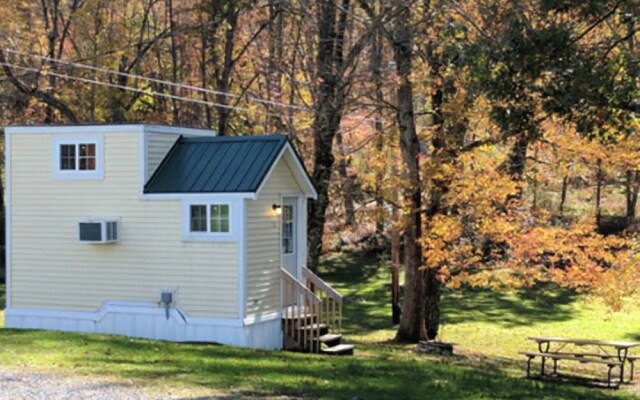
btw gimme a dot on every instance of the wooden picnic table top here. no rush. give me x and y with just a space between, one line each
584 342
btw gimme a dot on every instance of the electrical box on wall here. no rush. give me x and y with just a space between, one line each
98 231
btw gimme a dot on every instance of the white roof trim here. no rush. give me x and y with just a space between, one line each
179 130
212 196
85 129
298 172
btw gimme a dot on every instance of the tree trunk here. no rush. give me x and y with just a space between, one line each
328 114
563 194
116 108
51 22
376 72
432 303
347 196
203 74
224 77
395 260
273 78
445 142
517 158
598 192
97 28
632 186
412 327
174 63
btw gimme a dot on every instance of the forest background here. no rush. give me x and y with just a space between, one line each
487 143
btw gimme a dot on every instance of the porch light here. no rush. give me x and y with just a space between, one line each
277 208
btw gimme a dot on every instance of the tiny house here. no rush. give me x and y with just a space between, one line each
163 233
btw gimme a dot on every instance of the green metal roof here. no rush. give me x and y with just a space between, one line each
216 164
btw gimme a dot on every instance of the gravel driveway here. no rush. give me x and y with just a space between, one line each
36 386
26 385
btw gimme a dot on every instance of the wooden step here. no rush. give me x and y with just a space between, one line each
339 350
323 328
330 339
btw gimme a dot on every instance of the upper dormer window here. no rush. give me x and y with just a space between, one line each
78 157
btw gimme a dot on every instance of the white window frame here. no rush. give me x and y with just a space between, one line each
292 238
97 173
208 236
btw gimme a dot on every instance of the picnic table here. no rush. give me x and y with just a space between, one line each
610 353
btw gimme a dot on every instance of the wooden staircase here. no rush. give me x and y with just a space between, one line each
312 316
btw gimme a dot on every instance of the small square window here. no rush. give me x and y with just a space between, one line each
78 157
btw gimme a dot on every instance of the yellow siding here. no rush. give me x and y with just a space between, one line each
52 270
263 242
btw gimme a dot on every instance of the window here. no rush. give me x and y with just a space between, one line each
198 218
209 218
219 217
287 229
78 157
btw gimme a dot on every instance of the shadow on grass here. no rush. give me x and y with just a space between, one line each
635 337
263 373
541 303
365 283
350 267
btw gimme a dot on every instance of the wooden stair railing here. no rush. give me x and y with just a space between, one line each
331 307
302 312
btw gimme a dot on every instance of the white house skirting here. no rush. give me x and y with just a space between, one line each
148 321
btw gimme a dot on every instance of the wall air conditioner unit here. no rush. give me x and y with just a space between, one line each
104 230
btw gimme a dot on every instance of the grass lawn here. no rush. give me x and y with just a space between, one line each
489 330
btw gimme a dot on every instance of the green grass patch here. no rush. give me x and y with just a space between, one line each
388 372
488 367
3 301
491 323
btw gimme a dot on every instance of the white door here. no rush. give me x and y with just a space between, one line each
289 229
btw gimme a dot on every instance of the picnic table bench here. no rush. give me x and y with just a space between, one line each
610 353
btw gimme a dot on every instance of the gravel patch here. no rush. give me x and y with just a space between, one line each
28 385
37 386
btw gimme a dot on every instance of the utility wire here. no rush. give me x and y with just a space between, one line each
137 90
158 81
155 80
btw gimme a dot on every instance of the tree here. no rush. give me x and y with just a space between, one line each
335 71
413 316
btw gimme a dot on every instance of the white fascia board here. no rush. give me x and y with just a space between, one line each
7 218
106 128
242 261
73 129
143 144
298 172
178 130
223 197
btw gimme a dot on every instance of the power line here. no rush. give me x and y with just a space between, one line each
155 80
154 92
138 90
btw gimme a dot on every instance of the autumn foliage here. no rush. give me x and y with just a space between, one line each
502 135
